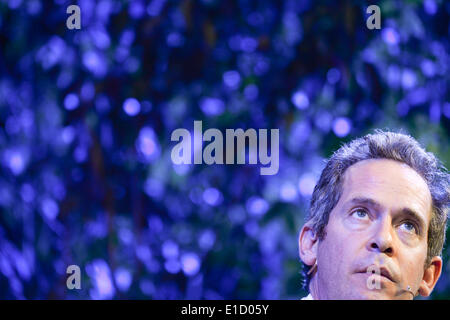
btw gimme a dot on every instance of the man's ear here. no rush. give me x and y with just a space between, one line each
307 245
430 276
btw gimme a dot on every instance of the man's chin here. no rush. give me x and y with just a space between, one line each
368 294
361 295
360 287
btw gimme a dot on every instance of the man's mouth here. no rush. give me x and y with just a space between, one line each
382 271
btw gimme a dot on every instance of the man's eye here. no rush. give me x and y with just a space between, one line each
409 227
360 214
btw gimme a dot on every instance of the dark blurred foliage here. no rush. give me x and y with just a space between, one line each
86 117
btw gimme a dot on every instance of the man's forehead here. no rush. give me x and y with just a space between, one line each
387 179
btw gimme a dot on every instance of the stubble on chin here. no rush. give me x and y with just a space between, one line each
330 290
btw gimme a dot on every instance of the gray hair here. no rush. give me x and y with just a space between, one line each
382 145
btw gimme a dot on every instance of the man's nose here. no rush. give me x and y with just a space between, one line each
382 240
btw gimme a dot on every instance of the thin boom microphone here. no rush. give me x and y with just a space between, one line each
408 289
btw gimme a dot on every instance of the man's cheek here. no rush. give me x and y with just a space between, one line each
329 251
337 241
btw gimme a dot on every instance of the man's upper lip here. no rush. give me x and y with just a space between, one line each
383 272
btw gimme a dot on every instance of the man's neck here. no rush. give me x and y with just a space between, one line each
313 289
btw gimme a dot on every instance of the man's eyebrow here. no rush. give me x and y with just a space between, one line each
365 201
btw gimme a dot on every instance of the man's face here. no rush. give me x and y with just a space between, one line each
380 222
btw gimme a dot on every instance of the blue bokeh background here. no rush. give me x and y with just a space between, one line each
86 118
